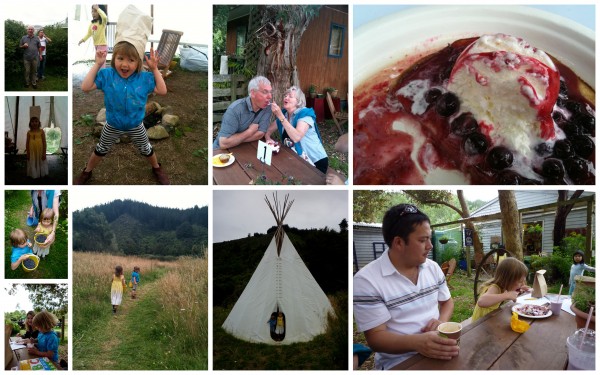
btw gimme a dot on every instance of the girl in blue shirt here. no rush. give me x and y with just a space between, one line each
47 340
126 88
577 269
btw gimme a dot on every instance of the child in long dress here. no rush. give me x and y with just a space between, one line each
35 147
45 226
116 290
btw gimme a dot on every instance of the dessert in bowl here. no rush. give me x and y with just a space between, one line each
492 102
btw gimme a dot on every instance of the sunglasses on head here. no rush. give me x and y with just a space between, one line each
409 209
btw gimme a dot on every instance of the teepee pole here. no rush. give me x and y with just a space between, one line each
279 212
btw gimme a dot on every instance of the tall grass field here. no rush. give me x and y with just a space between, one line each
164 328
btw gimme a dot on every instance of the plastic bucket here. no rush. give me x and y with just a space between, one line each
31 221
36 262
582 350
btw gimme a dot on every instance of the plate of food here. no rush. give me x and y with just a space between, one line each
223 160
532 311
500 95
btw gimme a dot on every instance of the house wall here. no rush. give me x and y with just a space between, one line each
314 64
232 34
364 237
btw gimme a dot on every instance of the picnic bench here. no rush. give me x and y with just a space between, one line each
22 354
490 344
286 168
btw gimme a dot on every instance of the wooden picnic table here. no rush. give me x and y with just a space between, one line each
490 344
286 166
23 354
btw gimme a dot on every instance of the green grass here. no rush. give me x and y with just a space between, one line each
328 351
55 264
56 80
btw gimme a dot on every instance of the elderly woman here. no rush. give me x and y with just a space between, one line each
297 126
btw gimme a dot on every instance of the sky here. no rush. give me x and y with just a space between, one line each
238 213
43 13
172 196
20 300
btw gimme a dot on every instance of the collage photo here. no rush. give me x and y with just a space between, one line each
236 186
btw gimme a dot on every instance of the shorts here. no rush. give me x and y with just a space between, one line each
110 135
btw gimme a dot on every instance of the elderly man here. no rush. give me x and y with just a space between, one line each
401 297
32 55
247 119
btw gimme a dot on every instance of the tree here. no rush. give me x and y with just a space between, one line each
343 226
279 35
511 223
560 218
368 205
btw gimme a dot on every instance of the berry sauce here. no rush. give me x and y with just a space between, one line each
435 138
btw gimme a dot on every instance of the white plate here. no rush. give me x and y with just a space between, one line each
217 163
514 309
382 42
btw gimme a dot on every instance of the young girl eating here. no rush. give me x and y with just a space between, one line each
47 340
506 285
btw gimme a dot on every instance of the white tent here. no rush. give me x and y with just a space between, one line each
16 118
280 283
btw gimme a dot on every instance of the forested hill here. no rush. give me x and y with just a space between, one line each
135 228
324 251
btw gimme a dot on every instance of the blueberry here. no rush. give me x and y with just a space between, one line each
585 121
577 168
571 129
573 106
432 95
583 145
475 143
508 177
563 90
447 104
29 264
543 149
558 118
553 169
464 124
499 158
563 149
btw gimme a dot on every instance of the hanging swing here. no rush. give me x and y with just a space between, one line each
277 325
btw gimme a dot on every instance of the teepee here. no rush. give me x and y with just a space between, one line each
282 291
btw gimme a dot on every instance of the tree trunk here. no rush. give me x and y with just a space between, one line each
511 223
477 245
560 218
280 36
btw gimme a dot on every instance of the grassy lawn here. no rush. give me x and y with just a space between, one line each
461 289
55 80
55 264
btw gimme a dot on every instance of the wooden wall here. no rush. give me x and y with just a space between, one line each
314 65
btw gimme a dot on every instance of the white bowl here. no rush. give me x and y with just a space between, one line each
386 40
419 31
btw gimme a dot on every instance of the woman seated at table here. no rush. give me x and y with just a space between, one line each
30 332
297 126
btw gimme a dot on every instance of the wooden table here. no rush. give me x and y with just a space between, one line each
490 344
286 166
22 354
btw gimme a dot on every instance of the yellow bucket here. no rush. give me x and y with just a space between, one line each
36 261
40 238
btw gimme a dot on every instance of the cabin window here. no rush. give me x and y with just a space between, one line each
336 40
240 40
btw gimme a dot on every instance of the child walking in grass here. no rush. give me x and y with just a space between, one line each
506 285
21 248
116 290
44 228
47 340
135 279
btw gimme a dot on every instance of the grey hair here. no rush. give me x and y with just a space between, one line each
300 97
255 82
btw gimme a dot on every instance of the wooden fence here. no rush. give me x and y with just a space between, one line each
223 97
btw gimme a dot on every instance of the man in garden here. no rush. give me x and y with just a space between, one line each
247 119
32 55
401 297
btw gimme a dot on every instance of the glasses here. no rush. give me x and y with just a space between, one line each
408 209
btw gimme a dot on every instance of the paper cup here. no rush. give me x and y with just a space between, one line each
555 307
450 330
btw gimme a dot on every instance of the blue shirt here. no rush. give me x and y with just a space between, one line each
18 251
48 341
136 276
239 116
125 99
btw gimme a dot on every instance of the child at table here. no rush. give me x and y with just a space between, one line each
135 280
45 227
47 341
116 290
507 283
21 248
577 269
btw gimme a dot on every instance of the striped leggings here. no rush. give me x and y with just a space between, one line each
110 135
